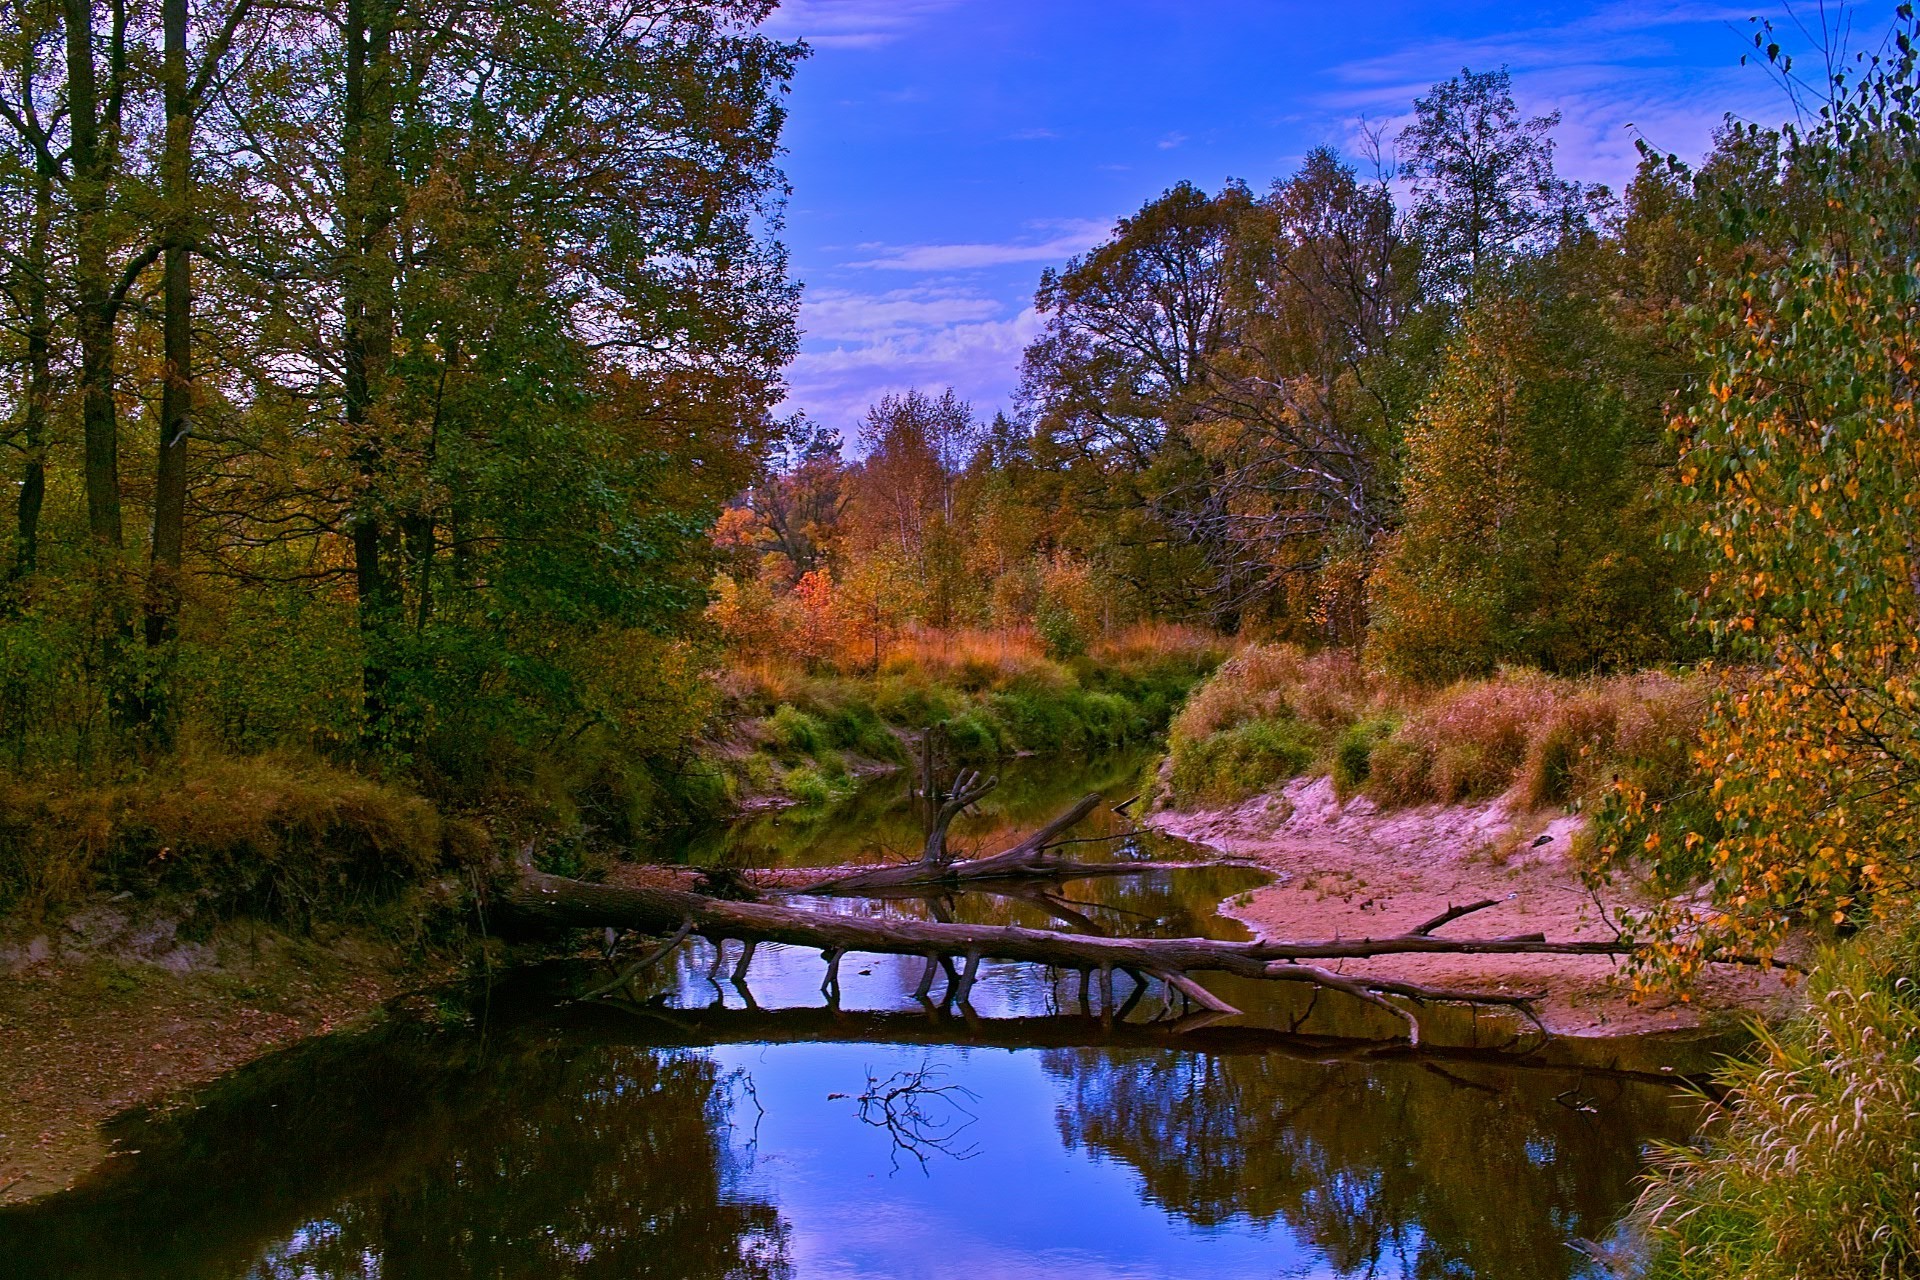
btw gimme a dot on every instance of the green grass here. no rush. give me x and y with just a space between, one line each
1246 760
985 710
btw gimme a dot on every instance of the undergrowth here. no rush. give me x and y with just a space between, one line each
1275 712
1813 1170
806 734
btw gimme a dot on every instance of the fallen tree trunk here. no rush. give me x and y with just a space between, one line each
550 901
1029 858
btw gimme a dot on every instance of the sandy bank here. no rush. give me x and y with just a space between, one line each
110 1009
1347 870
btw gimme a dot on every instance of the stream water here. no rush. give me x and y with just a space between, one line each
709 1129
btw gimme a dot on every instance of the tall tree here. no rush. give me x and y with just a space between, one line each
29 168
1484 187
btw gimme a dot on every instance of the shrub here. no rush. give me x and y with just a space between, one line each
1236 763
813 788
972 739
793 733
1353 753
284 838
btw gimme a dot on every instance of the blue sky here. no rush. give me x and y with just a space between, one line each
943 152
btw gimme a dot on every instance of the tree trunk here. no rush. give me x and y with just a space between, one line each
151 707
176 389
536 900
39 382
367 213
92 168
1025 859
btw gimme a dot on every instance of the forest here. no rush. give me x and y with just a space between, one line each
400 480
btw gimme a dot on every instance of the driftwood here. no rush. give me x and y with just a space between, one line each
550 901
1031 858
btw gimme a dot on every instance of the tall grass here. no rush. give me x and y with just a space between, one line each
279 836
1274 711
987 694
1814 1173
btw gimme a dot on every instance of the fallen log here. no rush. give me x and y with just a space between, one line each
548 901
1029 858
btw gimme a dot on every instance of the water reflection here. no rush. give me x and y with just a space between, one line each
878 824
684 1141
709 1130
409 1155
1420 1169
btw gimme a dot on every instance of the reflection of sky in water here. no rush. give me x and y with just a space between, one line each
1022 1206
696 1136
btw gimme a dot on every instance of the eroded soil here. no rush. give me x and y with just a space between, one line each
1353 870
111 1009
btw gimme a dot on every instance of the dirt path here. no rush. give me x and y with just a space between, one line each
107 1011
1353 870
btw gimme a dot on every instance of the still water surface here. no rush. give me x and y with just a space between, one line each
709 1130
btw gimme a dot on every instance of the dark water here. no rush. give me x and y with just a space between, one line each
706 1129
877 825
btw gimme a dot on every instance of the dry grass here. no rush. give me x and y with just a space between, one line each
1546 740
282 835
1814 1173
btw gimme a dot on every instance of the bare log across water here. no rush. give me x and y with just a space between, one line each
557 902
534 898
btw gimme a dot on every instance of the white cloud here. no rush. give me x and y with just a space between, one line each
843 314
1601 72
1074 236
858 347
852 24
1171 141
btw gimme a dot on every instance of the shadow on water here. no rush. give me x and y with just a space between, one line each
704 1128
878 824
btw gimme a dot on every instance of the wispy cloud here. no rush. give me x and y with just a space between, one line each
1075 236
852 24
1602 72
858 346
1171 141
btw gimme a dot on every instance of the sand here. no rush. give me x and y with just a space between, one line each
1353 870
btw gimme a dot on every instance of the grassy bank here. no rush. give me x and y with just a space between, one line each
808 735
1812 1171
295 837
1274 712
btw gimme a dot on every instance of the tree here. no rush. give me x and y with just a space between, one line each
1531 532
1132 329
1801 455
1484 189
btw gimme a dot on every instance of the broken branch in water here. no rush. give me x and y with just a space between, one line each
550 901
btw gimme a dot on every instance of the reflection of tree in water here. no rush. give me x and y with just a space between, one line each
530 1159
1430 1172
602 1163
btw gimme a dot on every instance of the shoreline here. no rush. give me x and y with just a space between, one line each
1346 869
110 1010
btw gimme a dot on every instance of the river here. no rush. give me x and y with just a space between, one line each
708 1129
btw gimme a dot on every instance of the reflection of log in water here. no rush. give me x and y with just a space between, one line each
539 900
556 902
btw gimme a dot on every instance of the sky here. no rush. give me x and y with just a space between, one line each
942 153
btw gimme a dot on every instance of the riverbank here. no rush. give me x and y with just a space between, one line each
111 1009
1352 868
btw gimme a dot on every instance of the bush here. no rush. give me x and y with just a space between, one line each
1353 753
1243 761
278 837
793 733
813 788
